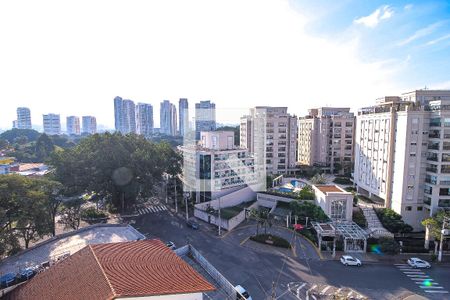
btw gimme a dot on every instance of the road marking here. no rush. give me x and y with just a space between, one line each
299 288
437 292
244 241
418 276
431 287
325 290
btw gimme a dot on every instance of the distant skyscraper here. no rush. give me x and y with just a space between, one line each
168 118
73 125
144 119
124 114
89 125
183 111
23 118
52 124
205 117
14 124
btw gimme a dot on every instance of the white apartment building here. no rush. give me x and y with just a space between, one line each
144 119
73 125
216 166
401 153
52 124
325 139
271 134
124 115
205 117
89 125
23 118
168 118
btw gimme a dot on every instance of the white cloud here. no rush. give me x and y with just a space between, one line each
408 7
372 20
420 33
74 59
440 39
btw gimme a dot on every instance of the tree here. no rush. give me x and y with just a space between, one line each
319 179
262 217
44 147
304 209
71 213
115 166
434 226
3 143
11 135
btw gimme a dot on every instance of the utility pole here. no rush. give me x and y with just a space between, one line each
166 183
220 219
443 233
175 197
186 196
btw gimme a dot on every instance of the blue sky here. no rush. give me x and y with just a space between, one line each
74 58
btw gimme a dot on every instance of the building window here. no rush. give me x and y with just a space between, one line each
419 208
338 210
408 208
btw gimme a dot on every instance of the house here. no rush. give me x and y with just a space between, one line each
145 269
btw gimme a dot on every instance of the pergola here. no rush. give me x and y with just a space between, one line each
355 238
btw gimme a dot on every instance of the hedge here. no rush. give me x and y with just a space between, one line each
342 180
277 241
392 221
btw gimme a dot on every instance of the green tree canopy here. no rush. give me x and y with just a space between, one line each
304 209
114 166
11 135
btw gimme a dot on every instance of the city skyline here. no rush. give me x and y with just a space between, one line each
369 51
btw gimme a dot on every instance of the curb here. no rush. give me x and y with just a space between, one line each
304 237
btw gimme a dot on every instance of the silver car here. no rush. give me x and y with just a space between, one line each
418 263
348 260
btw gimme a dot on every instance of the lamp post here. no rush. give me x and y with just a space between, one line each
186 197
220 219
444 232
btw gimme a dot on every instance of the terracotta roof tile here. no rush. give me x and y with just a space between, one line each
106 271
329 189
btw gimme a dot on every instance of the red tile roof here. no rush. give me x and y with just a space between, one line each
107 271
329 188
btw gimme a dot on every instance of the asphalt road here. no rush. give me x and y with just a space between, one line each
266 270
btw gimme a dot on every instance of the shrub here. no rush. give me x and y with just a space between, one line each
276 240
92 213
359 218
310 235
306 209
342 180
389 245
392 221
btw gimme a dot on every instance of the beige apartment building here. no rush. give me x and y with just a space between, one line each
325 139
402 153
270 133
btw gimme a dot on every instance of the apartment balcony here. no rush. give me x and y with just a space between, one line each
427 201
435 124
432 158
432 170
433 146
434 135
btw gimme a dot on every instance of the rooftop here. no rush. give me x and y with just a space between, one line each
329 189
68 243
107 271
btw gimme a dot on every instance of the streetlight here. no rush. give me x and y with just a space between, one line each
444 232
186 197
220 219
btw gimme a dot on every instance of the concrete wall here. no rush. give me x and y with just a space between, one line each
193 296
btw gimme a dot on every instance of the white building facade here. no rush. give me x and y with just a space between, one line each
23 118
325 139
73 125
144 119
89 125
271 133
52 124
401 153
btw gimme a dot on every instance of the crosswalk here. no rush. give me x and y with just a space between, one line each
424 281
151 209
309 291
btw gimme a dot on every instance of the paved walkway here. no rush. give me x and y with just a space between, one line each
374 225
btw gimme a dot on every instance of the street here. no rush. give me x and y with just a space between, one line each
266 270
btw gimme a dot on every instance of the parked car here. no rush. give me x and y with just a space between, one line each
348 260
418 263
171 245
192 224
7 280
242 294
25 274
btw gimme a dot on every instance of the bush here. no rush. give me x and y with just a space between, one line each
310 235
304 209
359 218
392 221
276 240
342 180
389 245
92 213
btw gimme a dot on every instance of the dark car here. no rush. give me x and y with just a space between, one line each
25 274
7 280
192 224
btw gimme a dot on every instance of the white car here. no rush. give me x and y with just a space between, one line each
418 263
348 260
242 294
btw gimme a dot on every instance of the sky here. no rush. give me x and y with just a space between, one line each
74 57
